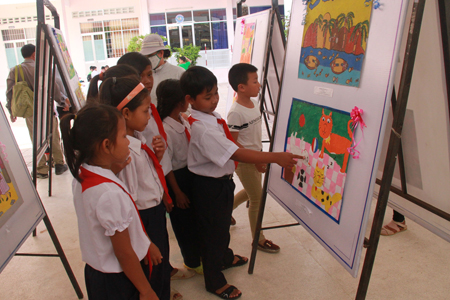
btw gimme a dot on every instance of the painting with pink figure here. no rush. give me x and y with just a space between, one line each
323 135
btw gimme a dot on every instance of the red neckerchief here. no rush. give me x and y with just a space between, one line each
91 179
225 129
158 121
188 135
158 169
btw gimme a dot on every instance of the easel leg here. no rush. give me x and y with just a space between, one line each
63 257
394 146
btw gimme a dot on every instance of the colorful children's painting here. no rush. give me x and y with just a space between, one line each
323 135
335 41
247 43
10 199
65 53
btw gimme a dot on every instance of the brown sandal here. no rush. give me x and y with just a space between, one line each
393 227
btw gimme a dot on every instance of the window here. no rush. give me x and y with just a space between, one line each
220 37
204 28
171 16
201 15
161 30
218 14
109 38
157 19
16 39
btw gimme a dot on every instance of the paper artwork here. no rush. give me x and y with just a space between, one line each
247 43
65 53
323 135
335 41
10 199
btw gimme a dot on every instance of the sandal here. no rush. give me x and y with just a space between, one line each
226 294
182 274
241 261
198 270
393 227
269 247
175 295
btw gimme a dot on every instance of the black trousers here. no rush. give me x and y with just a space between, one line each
184 223
213 205
111 286
154 220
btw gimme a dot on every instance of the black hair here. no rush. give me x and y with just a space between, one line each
28 50
195 80
114 90
92 68
169 95
116 71
167 53
136 60
183 58
91 126
238 74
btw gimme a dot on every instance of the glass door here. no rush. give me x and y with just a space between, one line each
180 36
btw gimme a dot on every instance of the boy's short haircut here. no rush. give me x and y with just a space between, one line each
28 50
238 74
196 79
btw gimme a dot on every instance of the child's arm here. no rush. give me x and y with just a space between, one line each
168 205
131 265
159 146
235 135
180 197
261 167
284 159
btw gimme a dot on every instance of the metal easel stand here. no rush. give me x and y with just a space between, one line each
393 148
266 112
41 111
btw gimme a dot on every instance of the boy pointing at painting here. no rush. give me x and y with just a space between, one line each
244 121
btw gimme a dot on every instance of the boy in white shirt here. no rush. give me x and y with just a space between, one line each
212 157
244 121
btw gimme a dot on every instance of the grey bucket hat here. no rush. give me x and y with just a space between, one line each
151 44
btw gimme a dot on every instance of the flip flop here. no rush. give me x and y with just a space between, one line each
182 274
227 293
239 263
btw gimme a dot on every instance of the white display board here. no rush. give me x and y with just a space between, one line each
20 206
258 53
425 134
67 69
339 227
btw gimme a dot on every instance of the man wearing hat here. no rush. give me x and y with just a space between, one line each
153 47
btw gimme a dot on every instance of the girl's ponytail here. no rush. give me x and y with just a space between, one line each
68 143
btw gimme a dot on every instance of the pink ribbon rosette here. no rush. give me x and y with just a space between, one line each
356 117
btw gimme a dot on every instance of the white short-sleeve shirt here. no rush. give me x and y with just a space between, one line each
247 122
101 211
177 141
140 175
149 132
210 150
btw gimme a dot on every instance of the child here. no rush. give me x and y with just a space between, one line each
112 241
244 121
143 176
171 104
211 157
155 127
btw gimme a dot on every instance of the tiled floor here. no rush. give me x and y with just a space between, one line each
412 265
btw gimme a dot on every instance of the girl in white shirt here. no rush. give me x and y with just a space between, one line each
113 242
171 104
143 176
